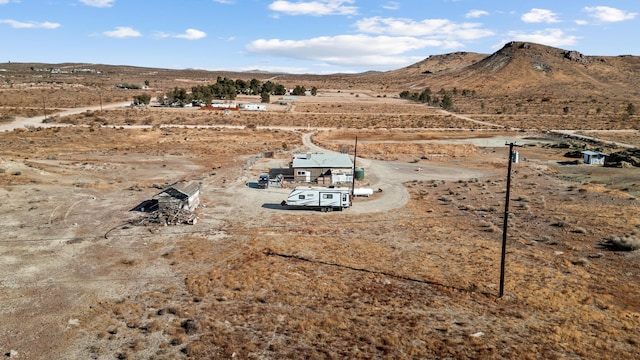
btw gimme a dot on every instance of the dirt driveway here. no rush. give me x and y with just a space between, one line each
387 176
239 199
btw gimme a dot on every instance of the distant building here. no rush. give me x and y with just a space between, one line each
322 168
221 106
83 71
593 157
254 107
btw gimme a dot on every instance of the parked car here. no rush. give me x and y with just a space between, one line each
263 181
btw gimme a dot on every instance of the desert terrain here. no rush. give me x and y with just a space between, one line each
410 272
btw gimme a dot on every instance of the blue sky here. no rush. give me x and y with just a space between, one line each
303 36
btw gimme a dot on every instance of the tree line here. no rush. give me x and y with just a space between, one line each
229 89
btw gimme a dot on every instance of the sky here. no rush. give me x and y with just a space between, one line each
303 36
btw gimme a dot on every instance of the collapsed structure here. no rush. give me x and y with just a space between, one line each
181 195
174 205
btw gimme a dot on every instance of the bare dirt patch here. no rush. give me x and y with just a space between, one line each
257 281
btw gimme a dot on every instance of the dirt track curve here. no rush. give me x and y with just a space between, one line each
390 176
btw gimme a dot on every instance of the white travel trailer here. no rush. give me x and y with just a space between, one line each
319 198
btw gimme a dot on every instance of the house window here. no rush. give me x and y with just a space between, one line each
302 173
327 196
301 197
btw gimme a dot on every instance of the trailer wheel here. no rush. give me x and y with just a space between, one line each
324 209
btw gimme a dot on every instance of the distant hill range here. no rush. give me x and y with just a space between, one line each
519 70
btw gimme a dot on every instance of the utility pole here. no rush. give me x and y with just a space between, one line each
44 105
506 220
353 175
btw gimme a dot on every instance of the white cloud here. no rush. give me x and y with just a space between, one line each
98 3
122 32
550 37
189 34
609 14
391 5
373 62
223 1
582 22
473 14
540 16
328 46
431 28
315 8
30 24
349 50
192 34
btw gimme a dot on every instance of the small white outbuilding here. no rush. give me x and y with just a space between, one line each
593 157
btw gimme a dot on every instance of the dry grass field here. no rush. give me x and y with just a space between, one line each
82 278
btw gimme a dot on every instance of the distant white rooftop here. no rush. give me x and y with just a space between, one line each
593 153
322 161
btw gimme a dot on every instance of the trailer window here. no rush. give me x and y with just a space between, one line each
327 196
301 197
344 197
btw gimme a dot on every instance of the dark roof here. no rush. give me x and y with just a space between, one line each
181 190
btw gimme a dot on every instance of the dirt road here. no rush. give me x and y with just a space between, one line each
38 120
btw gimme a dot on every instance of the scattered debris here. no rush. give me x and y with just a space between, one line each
167 216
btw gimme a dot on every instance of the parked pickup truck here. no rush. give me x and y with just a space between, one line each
263 181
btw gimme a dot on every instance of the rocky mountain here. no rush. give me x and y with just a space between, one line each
523 69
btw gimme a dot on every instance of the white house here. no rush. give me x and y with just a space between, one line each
322 168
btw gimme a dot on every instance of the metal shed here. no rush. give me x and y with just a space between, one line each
593 157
